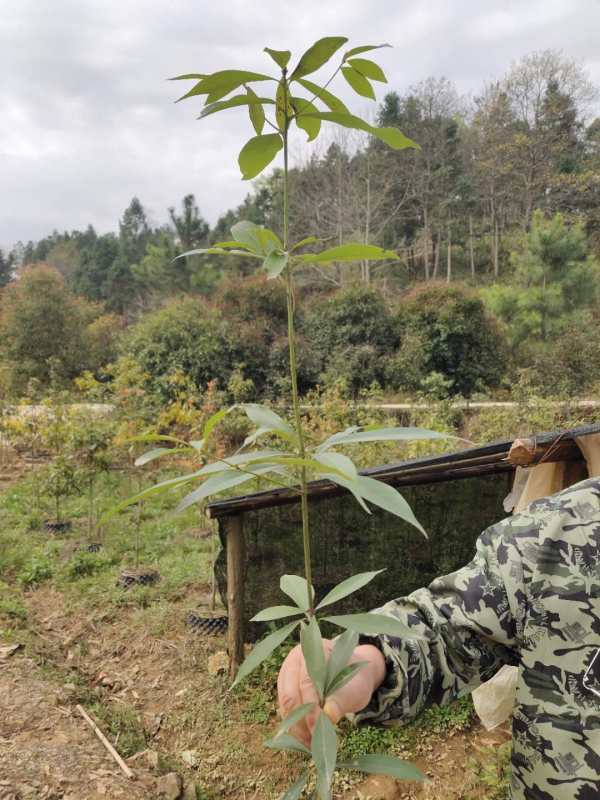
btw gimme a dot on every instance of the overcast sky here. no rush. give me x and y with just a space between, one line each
87 119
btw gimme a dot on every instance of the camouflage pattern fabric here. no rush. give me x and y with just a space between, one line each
530 597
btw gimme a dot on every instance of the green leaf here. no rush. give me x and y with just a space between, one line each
224 480
212 422
317 55
349 586
311 642
256 111
399 434
388 498
295 790
193 92
286 742
343 647
310 125
276 612
297 714
253 437
258 239
295 586
374 625
230 244
258 153
156 437
363 49
275 263
369 69
158 488
284 111
305 242
330 100
349 252
159 452
393 137
358 82
195 76
384 765
217 251
280 57
288 460
250 99
382 495
263 650
337 462
324 753
220 83
266 418
238 459
350 486
344 676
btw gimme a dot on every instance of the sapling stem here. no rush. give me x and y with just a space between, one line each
292 349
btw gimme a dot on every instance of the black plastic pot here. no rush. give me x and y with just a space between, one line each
52 526
144 576
206 626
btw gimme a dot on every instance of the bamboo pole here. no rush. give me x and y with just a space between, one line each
128 772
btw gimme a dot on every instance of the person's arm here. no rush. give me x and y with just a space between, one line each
470 622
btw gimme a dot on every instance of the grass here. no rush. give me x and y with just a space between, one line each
491 771
435 722
123 727
31 556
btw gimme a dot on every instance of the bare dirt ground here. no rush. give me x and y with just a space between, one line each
150 665
47 750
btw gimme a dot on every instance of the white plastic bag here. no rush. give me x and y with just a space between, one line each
494 700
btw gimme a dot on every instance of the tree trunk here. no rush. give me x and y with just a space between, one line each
449 255
496 249
426 243
471 254
340 232
436 262
366 265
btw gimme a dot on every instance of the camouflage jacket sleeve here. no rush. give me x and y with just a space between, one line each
469 621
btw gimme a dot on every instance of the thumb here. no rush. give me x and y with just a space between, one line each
333 710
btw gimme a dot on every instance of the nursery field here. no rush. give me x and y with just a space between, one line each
158 690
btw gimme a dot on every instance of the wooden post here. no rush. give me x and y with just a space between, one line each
236 561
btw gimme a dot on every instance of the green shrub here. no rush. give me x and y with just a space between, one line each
47 334
569 365
458 338
37 571
351 333
553 277
185 335
83 564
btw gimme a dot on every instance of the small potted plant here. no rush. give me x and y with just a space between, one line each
59 480
91 447
140 575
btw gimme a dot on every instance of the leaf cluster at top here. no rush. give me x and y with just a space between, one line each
290 107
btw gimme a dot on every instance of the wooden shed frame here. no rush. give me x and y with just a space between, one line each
494 458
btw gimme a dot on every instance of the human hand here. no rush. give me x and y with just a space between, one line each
294 687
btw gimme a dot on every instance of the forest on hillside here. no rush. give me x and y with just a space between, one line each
496 222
